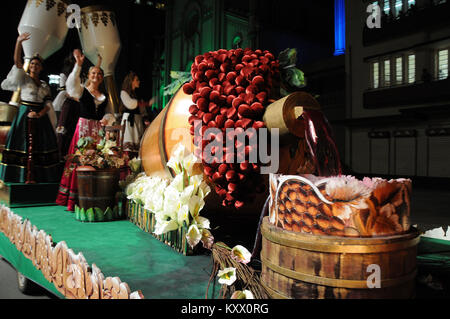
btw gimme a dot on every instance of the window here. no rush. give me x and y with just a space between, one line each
398 7
442 61
438 2
387 72
411 3
386 7
375 75
399 70
411 68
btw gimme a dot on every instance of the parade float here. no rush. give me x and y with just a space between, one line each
317 230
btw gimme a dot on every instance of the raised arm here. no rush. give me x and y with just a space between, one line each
74 87
18 49
99 61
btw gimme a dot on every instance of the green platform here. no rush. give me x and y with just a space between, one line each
21 194
119 249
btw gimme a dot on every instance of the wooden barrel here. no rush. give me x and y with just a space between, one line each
167 130
305 266
7 114
97 188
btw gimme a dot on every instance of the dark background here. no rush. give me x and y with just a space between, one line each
307 25
140 27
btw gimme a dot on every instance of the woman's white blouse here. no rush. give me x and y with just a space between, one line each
74 89
17 77
128 101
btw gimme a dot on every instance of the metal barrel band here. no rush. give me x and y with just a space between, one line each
331 247
273 293
93 176
332 282
94 198
162 137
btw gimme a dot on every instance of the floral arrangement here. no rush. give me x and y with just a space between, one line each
104 154
176 203
238 280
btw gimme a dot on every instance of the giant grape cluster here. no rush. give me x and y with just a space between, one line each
230 90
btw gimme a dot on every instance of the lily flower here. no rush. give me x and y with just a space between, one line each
241 254
135 165
242 294
193 235
183 215
163 227
196 205
202 222
227 276
207 238
188 163
176 159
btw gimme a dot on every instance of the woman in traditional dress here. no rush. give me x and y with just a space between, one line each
94 113
35 104
63 105
68 118
133 110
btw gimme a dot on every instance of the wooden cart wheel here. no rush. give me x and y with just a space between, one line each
26 286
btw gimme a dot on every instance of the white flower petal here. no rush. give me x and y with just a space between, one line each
227 276
202 222
193 235
241 254
165 226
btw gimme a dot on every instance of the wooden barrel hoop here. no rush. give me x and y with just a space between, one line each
300 265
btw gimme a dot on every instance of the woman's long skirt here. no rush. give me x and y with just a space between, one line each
45 155
68 188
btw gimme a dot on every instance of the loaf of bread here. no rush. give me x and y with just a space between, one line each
340 205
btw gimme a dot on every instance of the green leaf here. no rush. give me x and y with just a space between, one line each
90 215
99 214
80 142
108 214
83 215
77 212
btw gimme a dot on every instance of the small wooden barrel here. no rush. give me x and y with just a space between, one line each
305 266
97 188
7 114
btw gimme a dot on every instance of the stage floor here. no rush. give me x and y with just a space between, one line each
119 249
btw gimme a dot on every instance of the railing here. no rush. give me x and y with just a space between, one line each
420 92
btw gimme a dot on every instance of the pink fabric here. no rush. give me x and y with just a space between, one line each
68 188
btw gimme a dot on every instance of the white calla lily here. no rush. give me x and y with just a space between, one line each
207 238
193 235
241 254
183 215
176 159
189 162
203 190
242 294
195 205
178 183
227 276
187 194
196 181
163 227
202 222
